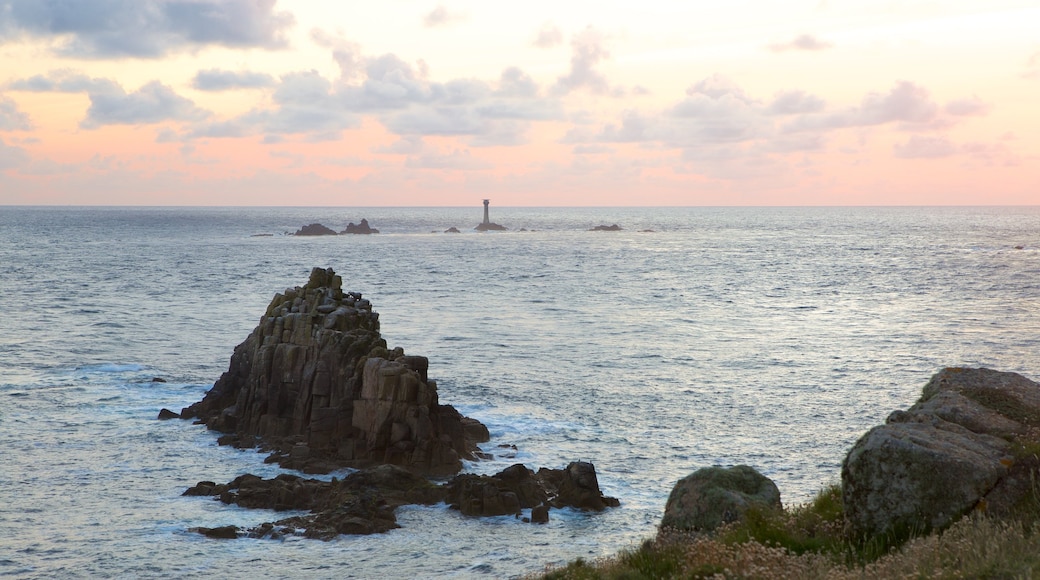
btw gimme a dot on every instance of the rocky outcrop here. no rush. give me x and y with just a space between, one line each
517 487
490 227
605 228
315 384
315 230
963 446
362 228
713 496
364 501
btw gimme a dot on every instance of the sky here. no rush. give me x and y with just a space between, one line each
535 103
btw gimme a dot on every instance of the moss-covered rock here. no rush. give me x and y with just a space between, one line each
713 496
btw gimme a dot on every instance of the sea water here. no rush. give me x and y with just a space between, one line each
772 337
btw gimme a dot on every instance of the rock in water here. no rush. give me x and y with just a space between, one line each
315 230
950 453
362 228
712 496
315 382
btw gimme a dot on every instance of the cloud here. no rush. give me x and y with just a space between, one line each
456 160
407 145
794 103
145 28
588 50
801 42
65 81
441 16
906 103
221 80
347 54
516 83
306 103
12 119
152 103
972 106
12 156
919 147
549 36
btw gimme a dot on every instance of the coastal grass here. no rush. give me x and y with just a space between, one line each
811 541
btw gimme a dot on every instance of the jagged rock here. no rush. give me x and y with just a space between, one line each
603 228
452 230
220 533
361 503
165 414
315 384
950 453
362 228
490 227
712 496
315 230
517 487
540 514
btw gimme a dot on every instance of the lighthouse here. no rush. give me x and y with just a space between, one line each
487 224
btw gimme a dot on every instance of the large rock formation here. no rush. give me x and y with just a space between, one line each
965 445
315 230
315 383
713 496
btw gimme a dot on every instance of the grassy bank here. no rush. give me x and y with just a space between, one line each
811 541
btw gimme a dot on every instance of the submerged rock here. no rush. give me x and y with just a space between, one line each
713 496
954 451
603 228
490 227
315 230
315 383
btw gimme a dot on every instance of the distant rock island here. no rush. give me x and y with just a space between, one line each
317 229
603 228
362 228
315 385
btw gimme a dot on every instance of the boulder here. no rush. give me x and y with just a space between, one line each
950 453
315 384
315 230
165 414
363 228
713 496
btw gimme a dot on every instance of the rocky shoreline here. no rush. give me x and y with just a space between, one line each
315 386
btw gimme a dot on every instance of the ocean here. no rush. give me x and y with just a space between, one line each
772 337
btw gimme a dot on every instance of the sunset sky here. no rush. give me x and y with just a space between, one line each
536 103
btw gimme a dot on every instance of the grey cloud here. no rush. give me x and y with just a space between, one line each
795 102
441 16
307 103
222 80
66 81
347 54
11 118
436 121
549 36
717 86
514 82
145 28
972 106
12 156
801 42
918 147
906 103
588 50
152 103
591 150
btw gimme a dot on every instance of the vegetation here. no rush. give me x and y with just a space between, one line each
811 541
